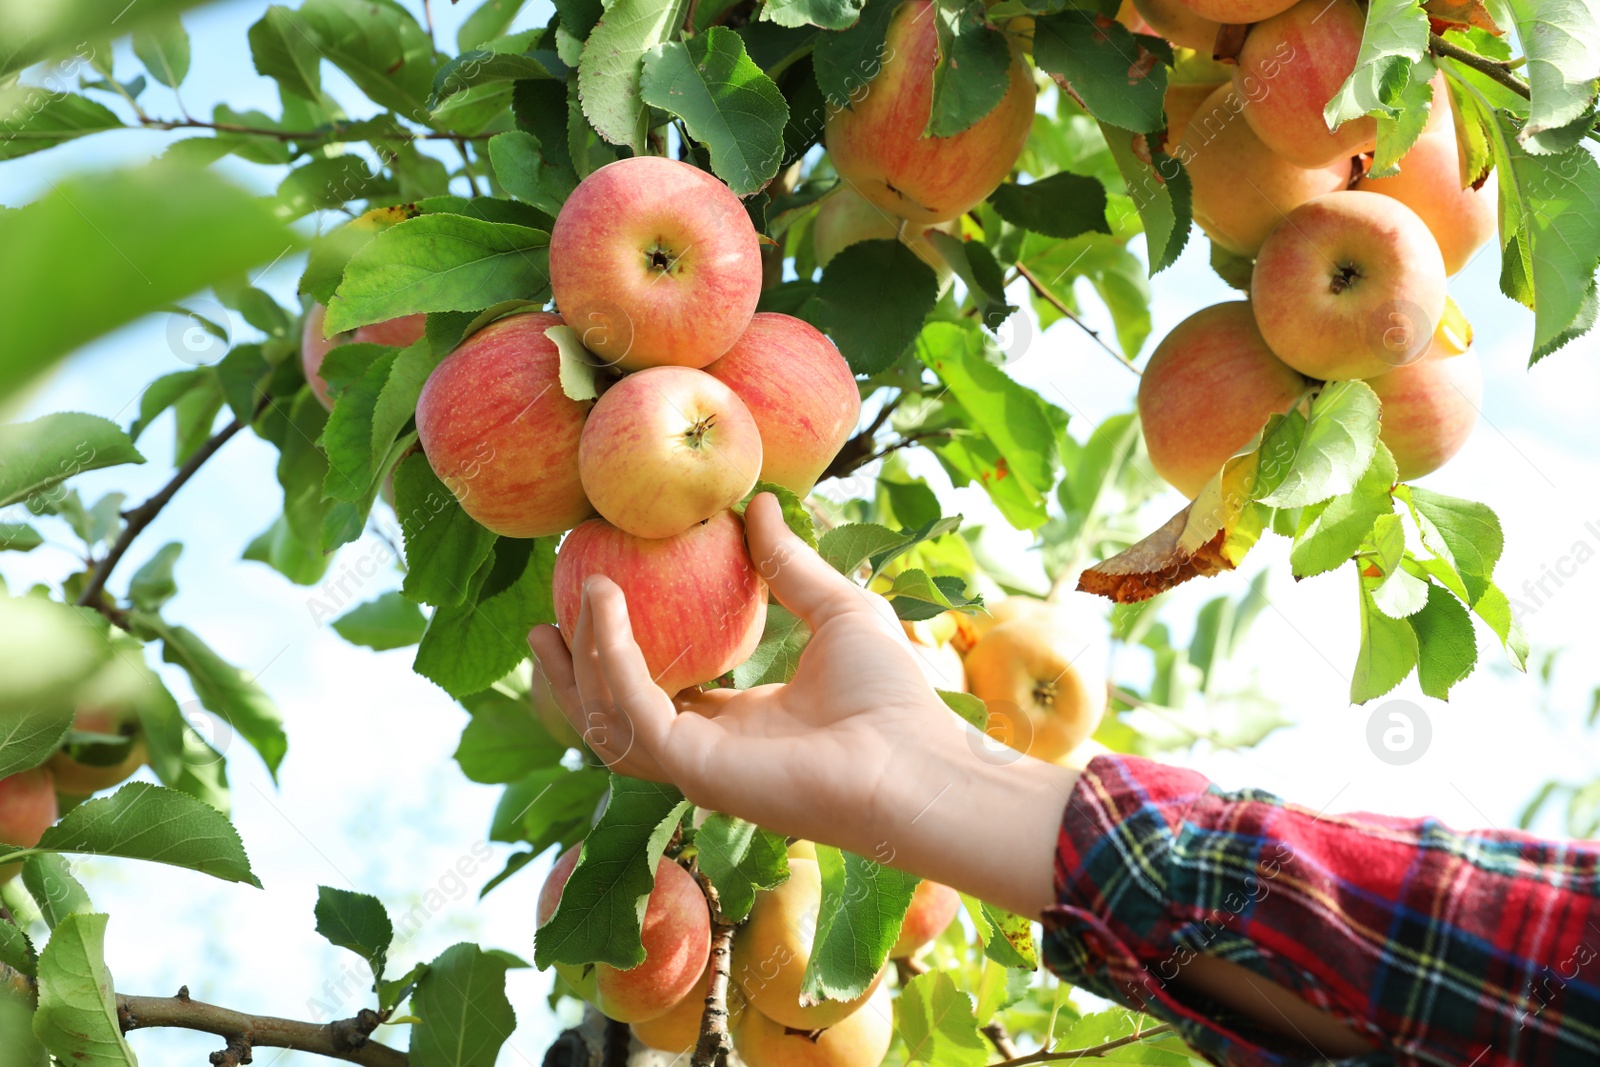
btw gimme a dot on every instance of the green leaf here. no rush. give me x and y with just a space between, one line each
827 14
935 1020
147 822
347 437
1007 938
50 882
795 514
1012 416
1395 37
39 455
777 656
1562 40
101 250
43 118
32 32
847 548
389 621
1494 609
724 100
16 951
602 907
873 298
1161 193
77 1014
740 858
152 585
380 47
504 742
485 67
439 263
1388 651
1062 205
163 47
225 691
1332 531
48 651
972 71
552 806
1464 533
282 49
357 922
863 905
468 646
489 20
1396 135
1106 68
972 709
845 62
465 1016
1341 436
19 537
608 73
522 167
329 183
1447 648
444 546
917 595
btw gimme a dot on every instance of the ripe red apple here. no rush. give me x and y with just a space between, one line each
1350 286
1241 189
655 262
1429 183
500 433
1429 407
677 940
801 393
1210 386
933 907
1180 24
1237 11
81 778
845 217
666 448
1290 67
27 810
696 601
877 146
314 347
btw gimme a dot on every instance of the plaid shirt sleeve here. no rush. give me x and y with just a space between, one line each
1480 949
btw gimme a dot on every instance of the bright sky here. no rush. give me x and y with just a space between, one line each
370 800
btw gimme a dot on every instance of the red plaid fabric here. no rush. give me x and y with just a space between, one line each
1476 948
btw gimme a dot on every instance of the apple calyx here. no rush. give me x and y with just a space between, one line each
695 436
661 259
1345 276
1044 694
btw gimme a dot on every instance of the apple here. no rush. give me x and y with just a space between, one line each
1429 407
933 907
845 217
678 1031
1352 285
654 262
1180 24
1043 685
665 448
27 810
83 773
1237 11
1242 190
1429 183
314 347
696 602
501 434
772 948
859 1040
1181 103
876 141
1291 65
676 933
1210 385
801 393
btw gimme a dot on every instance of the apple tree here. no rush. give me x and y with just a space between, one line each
911 173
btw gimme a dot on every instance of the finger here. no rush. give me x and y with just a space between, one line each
802 581
620 658
552 659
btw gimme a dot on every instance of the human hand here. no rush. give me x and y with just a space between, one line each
856 751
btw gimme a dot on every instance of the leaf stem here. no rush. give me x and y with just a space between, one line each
1092 1051
1489 68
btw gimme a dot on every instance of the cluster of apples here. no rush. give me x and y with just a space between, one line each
1038 667
1350 270
663 998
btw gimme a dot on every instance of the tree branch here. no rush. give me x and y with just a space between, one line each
334 131
140 517
346 1039
1055 302
715 1044
1043 1056
1489 68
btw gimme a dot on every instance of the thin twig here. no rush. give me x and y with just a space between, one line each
1092 1051
335 131
140 517
1055 302
1489 68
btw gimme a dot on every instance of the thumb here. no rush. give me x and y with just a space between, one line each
802 581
